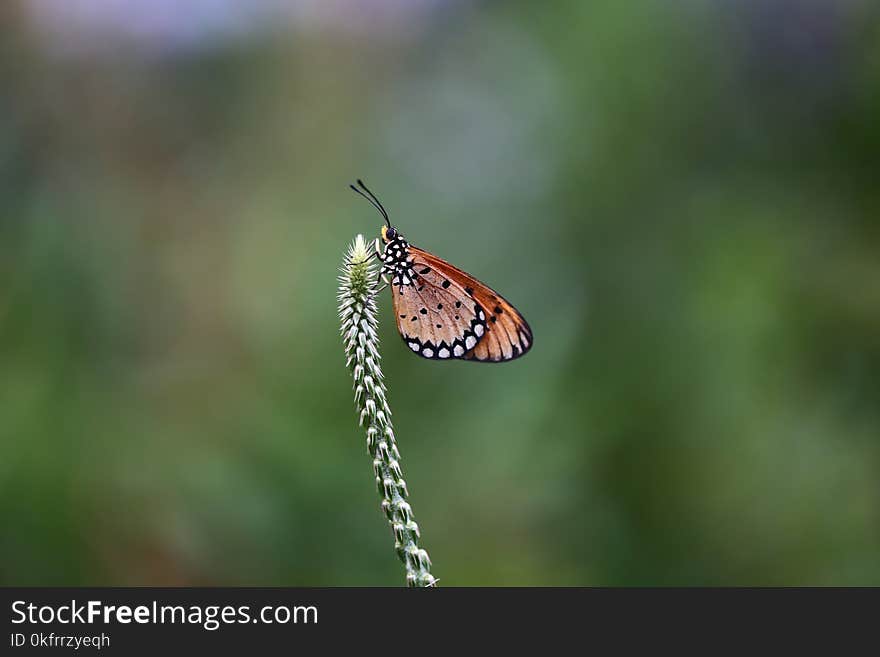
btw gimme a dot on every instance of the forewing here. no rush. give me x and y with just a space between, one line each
505 333
437 320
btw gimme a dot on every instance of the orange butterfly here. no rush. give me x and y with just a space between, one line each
442 312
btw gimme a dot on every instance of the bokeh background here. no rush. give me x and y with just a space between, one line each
681 197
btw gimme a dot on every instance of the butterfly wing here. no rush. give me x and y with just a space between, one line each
489 329
436 318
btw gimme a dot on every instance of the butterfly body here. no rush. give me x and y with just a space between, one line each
397 261
444 313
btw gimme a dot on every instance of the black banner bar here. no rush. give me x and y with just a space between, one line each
180 620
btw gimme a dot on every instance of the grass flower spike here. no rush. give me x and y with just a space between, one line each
358 317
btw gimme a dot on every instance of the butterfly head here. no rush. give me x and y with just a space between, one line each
390 234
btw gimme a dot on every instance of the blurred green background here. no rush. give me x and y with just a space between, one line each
681 197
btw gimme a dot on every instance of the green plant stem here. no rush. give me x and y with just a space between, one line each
359 321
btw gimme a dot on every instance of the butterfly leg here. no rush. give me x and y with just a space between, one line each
383 277
376 253
349 263
376 290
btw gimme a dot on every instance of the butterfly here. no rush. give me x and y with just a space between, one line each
442 312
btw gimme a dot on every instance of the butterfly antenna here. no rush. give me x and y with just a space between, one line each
379 208
372 199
